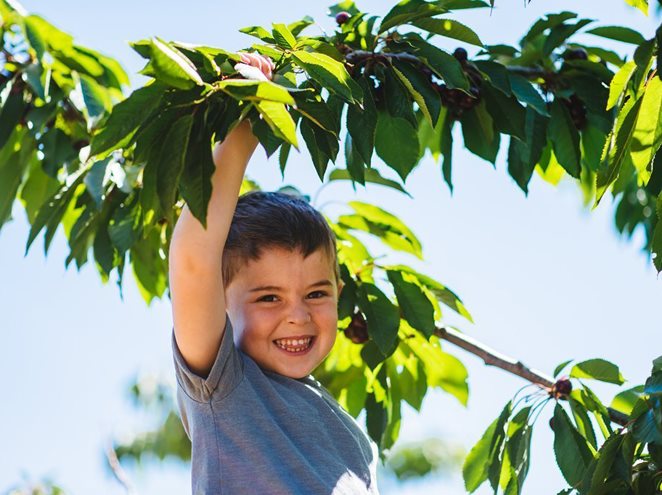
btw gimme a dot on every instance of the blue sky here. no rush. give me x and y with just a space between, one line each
545 279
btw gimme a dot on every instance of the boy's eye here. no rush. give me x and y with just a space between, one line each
267 298
317 294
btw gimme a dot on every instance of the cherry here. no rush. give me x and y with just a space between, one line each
357 330
342 17
460 54
562 388
576 54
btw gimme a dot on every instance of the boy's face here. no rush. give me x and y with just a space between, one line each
283 308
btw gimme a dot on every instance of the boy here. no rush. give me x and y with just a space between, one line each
255 311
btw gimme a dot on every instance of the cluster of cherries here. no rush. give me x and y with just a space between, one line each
574 104
457 101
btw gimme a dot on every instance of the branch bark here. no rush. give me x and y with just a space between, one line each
493 358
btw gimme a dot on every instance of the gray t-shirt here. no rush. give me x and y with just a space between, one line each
258 432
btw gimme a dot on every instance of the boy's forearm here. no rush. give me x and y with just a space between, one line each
231 158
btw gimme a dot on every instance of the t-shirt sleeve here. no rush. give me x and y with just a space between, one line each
224 376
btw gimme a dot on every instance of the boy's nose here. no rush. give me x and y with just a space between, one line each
299 314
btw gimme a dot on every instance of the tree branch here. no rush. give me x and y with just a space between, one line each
493 358
360 56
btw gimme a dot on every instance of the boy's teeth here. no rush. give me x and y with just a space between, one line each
293 344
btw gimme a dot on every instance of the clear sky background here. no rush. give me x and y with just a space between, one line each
545 279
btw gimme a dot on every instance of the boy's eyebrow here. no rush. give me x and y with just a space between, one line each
320 283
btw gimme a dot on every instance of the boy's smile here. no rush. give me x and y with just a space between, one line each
283 309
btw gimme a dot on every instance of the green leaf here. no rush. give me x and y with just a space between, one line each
382 317
647 135
619 83
478 131
396 98
390 229
564 138
618 33
656 245
38 187
317 148
639 4
124 228
441 292
11 111
446 149
329 73
573 454
462 4
51 212
320 114
624 401
279 119
125 119
370 175
583 422
149 269
258 32
284 38
449 28
497 75
376 418
171 163
558 34
246 89
442 369
37 33
298 26
598 369
362 124
606 456
396 142
498 448
15 159
508 115
147 152
548 22
356 167
527 93
195 182
95 96
524 155
407 11
172 67
420 89
416 307
617 146
441 63
474 470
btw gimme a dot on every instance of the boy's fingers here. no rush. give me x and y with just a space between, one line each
265 64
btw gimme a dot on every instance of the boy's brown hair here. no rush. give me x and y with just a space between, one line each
272 219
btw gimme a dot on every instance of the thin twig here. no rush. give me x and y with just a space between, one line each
118 471
493 358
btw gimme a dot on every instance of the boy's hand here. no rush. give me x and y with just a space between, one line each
255 66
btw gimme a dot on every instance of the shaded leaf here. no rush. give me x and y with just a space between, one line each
381 315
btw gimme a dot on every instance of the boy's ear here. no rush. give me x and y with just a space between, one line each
341 284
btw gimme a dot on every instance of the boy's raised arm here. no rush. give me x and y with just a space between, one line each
196 282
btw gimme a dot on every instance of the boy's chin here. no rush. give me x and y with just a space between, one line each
295 373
